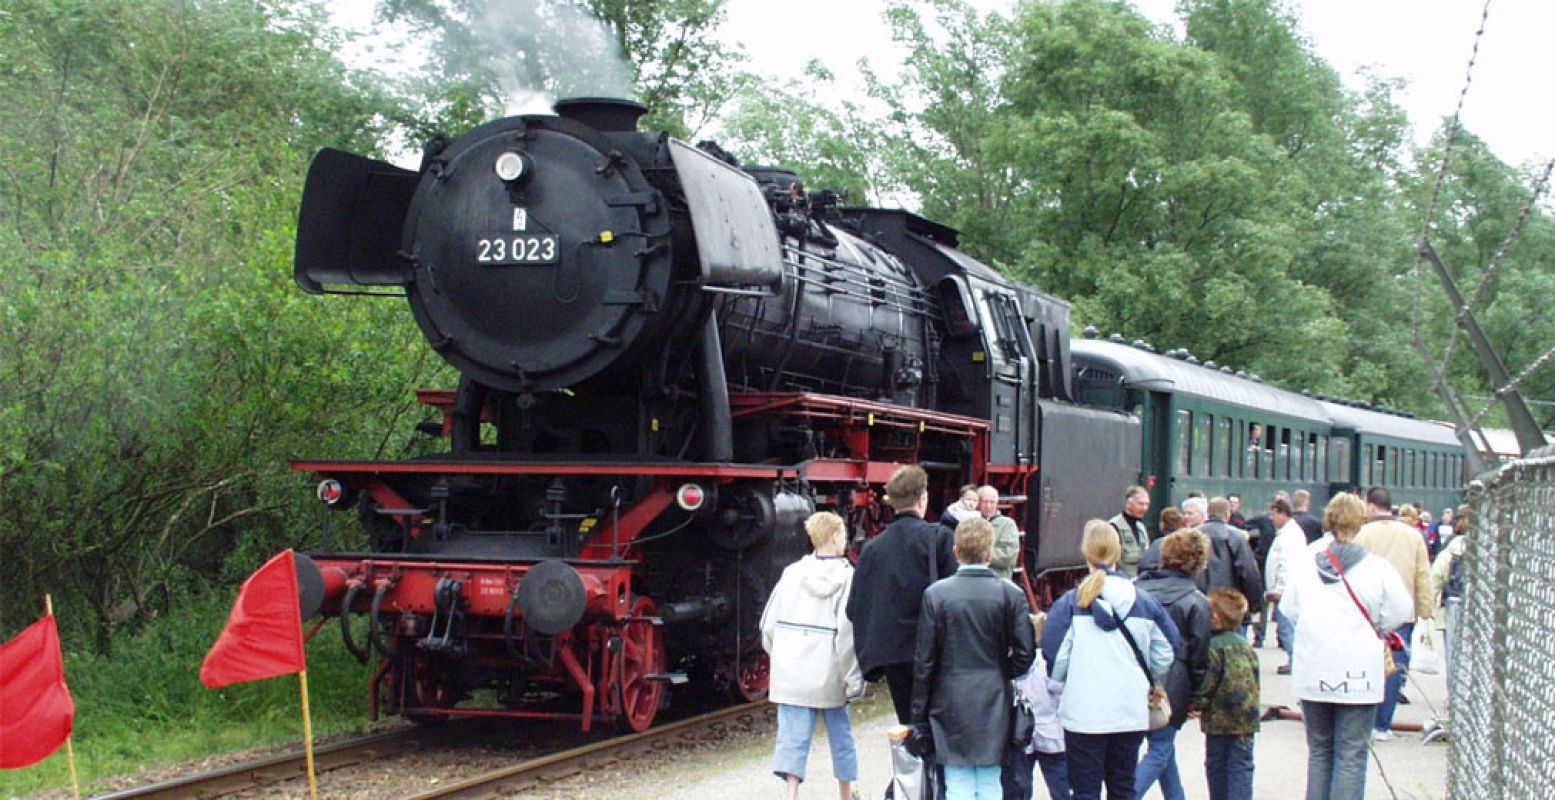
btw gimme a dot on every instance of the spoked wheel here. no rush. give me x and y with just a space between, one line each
425 691
638 692
753 678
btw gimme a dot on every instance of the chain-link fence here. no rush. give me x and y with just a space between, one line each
1503 656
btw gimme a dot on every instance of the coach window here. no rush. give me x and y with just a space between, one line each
1224 445
1338 459
1366 466
1395 464
1320 462
1201 429
1414 467
1184 439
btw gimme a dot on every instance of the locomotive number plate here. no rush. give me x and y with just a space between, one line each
510 250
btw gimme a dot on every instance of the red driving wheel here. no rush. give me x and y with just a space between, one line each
638 693
754 677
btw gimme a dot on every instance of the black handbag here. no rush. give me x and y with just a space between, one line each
1023 722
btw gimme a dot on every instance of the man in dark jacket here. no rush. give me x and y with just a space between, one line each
1183 556
1301 505
1232 564
1262 529
973 638
893 570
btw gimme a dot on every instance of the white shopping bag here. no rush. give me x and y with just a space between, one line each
1423 657
911 778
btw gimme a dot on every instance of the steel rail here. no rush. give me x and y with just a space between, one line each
274 769
502 782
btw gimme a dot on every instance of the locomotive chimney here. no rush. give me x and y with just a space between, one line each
608 114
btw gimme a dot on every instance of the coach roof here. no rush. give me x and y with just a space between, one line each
1148 371
1376 422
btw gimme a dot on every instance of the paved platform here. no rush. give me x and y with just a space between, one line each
1414 770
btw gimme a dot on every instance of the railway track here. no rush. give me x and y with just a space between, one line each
535 772
291 766
267 771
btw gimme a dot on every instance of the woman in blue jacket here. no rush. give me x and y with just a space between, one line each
1105 706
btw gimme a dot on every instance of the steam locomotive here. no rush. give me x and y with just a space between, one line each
667 363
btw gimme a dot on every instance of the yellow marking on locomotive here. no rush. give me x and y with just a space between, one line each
654 425
979 357
921 426
606 237
871 419
587 525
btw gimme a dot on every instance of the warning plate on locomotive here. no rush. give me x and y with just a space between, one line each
517 250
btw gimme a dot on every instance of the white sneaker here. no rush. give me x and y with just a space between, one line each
1382 736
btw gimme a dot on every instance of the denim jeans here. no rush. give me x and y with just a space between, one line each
1055 773
1228 765
1160 762
796 724
973 783
1336 749
1287 633
1097 758
1449 639
1395 682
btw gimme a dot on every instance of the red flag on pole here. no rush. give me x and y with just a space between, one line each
35 706
263 637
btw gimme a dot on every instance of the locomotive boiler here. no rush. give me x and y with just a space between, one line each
667 362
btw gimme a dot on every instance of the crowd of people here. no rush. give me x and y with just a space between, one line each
1160 631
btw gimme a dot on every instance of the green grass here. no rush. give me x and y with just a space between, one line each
145 707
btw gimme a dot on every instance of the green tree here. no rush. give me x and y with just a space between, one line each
786 125
159 367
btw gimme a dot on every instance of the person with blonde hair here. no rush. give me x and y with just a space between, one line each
1341 606
974 638
810 642
1108 643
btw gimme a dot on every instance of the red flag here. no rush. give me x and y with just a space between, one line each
263 637
35 706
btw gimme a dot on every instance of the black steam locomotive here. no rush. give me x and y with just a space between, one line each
667 364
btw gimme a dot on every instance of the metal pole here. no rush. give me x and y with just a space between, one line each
1529 437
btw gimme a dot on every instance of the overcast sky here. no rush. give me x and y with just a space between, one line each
1426 42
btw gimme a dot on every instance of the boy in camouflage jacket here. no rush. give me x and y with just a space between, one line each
1228 701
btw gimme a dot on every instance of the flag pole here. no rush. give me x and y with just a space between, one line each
307 735
70 750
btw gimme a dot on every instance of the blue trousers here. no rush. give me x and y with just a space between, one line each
1336 749
1286 630
1228 765
1395 682
1160 763
796 724
1097 758
973 783
1055 773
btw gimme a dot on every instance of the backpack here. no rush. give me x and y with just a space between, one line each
1453 587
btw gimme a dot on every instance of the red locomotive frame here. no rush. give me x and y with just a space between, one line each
614 658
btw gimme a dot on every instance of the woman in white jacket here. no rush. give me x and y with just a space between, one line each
1337 670
815 672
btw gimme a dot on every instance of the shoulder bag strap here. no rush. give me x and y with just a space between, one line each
1357 600
1138 656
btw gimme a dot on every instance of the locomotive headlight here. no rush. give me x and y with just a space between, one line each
510 166
690 497
334 494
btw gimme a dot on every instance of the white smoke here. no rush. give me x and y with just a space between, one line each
542 50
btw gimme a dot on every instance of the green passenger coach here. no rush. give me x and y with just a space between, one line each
1210 430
